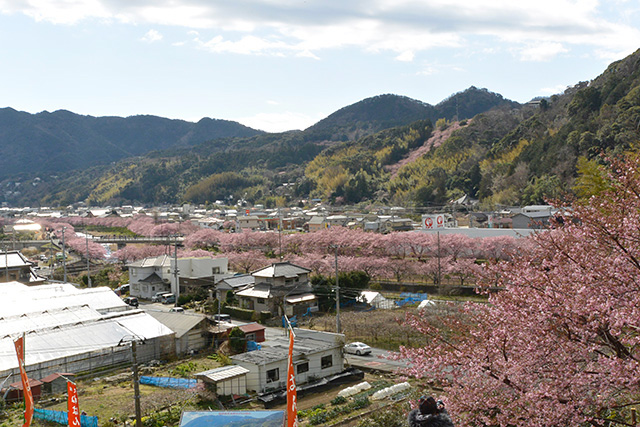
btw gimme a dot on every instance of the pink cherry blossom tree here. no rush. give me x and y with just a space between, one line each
560 346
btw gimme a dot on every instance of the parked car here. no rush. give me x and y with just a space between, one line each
158 296
358 348
177 310
168 299
222 318
132 301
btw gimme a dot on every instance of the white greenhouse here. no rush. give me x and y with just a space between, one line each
67 329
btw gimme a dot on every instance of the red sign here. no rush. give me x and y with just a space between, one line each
28 398
72 405
439 220
292 404
428 222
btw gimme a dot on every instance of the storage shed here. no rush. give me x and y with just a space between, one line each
228 380
253 332
192 330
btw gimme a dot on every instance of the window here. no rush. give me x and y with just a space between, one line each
302 367
273 375
260 300
326 362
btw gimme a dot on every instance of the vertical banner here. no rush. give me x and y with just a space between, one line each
26 389
292 404
72 405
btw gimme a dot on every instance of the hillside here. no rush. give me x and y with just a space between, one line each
381 112
61 141
506 154
263 161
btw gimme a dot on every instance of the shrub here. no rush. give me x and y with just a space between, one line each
338 400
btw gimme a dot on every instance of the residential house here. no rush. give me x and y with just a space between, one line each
281 287
152 275
234 284
317 222
316 355
251 222
531 220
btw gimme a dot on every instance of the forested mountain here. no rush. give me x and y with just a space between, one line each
381 112
62 141
388 149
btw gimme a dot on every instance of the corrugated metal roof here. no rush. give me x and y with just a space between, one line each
37 299
180 323
251 327
238 281
224 373
296 299
13 259
159 261
255 293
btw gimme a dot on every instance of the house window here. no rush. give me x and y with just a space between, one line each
133 271
260 300
326 362
273 375
302 368
215 270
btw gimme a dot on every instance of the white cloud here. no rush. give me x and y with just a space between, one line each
151 36
404 27
553 90
542 52
405 56
278 122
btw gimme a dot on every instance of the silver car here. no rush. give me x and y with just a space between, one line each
358 348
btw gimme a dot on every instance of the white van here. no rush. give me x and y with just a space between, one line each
168 298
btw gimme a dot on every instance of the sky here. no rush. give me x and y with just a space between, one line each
278 65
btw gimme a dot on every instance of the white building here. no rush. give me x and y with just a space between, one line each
316 355
152 275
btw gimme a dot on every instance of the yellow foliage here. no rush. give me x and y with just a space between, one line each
111 186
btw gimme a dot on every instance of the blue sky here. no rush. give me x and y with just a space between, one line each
286 64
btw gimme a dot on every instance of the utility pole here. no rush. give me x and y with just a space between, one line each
6 263
136 384
64 257
338 328
88 264
175 270
439 271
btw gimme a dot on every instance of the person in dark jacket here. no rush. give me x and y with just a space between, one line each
429 413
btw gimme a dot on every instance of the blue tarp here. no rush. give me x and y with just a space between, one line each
168 382
60 417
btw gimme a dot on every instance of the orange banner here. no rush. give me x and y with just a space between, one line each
292 403
26 389
72 405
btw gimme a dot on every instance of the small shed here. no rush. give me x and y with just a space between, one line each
15 393
228 380
253 332
56 383
192 330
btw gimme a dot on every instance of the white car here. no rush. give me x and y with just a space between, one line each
358 348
